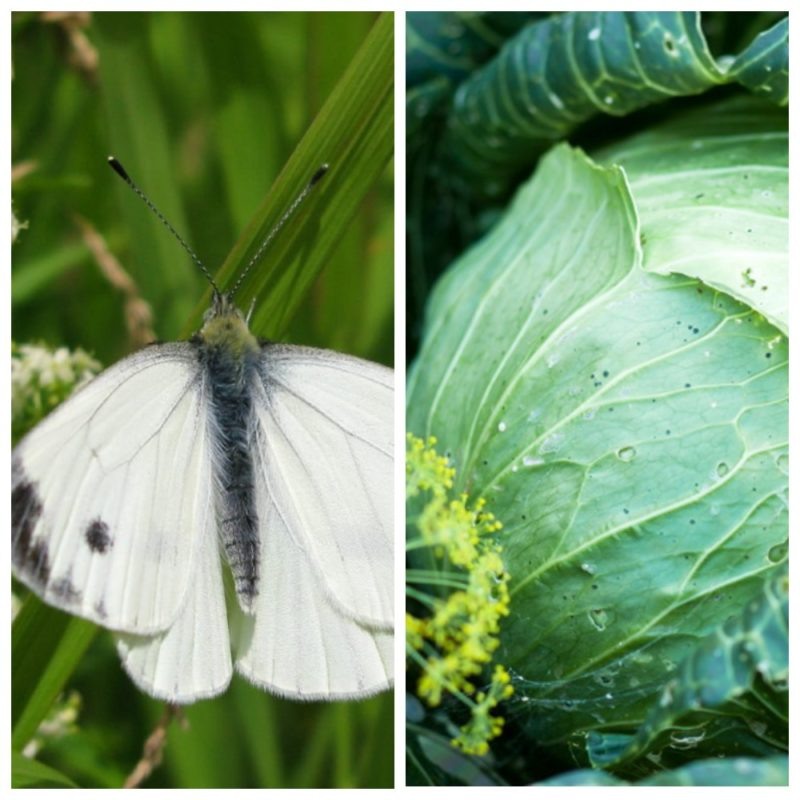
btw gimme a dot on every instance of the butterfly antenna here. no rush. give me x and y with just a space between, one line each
315 179
120 170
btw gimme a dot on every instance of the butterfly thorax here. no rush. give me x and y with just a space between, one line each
224 326
229 355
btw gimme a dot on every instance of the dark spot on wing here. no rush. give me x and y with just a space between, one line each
65 590
97 537
100 610
30 558
37 563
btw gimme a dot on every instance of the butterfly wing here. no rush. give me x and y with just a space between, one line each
191 660
111 493
323 618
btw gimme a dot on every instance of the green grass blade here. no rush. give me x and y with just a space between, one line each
46 646
352 133
29 774
139 136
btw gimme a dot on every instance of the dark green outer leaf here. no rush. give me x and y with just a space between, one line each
560 72
452 44
431 760
628 429
764 66
725 665
712 772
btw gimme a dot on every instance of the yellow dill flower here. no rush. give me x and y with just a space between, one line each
450 529
416 631
466 595
474 736
425 468
441 675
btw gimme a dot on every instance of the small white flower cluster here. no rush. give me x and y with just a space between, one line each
16 226
60 721
42 378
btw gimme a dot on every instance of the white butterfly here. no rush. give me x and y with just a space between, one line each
220 502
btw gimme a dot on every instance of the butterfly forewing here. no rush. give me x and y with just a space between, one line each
109 491
326 421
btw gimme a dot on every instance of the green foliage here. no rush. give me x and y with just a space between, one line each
27 773
221 119
734 684
608 368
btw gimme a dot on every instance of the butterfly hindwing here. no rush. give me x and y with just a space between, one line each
109 491
323 618
298 644
192 658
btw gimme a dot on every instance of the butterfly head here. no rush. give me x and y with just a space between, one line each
224 325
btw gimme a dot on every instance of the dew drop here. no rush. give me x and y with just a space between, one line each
777 553
501 426
552 443
599 618
722 469
594 34
685 741
626 453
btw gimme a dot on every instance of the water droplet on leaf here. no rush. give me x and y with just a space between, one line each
599 618
778 552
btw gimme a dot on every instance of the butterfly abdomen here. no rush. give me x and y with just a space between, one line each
230 362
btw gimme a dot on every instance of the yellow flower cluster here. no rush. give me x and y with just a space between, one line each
454 643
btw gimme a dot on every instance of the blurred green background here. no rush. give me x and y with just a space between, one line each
204 110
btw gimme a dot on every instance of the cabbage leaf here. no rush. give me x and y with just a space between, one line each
626 420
